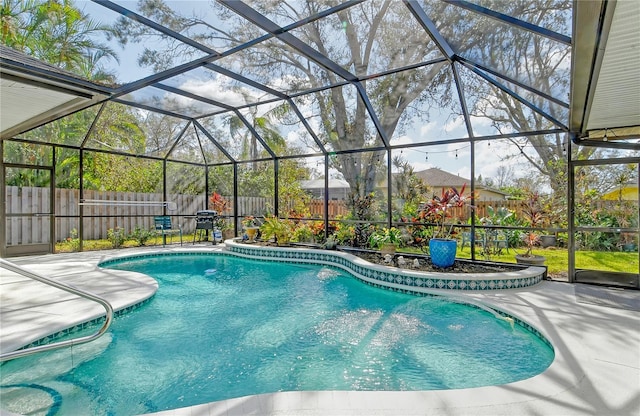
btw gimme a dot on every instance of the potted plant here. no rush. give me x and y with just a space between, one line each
436 212
628 242
553 217
227 229
387 240
250 227
533 213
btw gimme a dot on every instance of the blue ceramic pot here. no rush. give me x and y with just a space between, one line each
442 251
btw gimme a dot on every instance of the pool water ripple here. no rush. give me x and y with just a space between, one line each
221 327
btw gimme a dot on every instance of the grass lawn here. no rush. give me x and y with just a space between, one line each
558 259
95 245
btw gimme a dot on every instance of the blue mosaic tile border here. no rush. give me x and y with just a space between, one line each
117 260
82 326
394 276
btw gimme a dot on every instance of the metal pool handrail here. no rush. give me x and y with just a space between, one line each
41 348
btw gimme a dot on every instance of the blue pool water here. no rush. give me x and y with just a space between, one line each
221 327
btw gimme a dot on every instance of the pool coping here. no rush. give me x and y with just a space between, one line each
124 290
595 371
389 276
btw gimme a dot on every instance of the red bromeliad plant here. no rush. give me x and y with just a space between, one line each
217 202
534 214
438 210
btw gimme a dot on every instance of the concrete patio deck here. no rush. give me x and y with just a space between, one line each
595 332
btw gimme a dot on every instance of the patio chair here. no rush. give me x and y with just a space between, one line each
466 239
163 224
497 240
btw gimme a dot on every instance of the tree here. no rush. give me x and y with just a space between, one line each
408 188
535 61
58 33
109 172
379 35
265 125
343 113
504 176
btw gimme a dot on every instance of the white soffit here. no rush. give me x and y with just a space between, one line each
22 102
616 102
33 93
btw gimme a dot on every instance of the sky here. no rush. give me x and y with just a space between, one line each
454 158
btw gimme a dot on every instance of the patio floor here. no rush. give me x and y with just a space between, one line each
595 332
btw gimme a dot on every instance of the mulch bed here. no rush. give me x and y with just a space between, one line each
427 266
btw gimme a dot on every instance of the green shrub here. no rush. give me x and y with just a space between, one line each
116 237
384 236
303 233
142 235
73 242
345 234
280 229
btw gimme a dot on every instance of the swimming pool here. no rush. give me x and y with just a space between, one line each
222 327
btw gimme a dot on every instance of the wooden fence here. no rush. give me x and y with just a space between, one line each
464 213
99 218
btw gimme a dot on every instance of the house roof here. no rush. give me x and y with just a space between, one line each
25 60
627 191
319 184
439 178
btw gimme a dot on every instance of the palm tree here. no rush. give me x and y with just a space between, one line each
265 125
58 33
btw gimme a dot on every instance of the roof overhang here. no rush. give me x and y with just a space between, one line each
606 71
34 94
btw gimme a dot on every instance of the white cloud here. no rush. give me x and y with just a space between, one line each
425 129
454 124
287 83
490 156
293 137
215 89
464 172
404 139
478 122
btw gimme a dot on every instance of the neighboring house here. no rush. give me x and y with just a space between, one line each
440 180
338 188
435 178
626 192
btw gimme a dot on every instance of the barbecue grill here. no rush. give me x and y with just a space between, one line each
205 220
